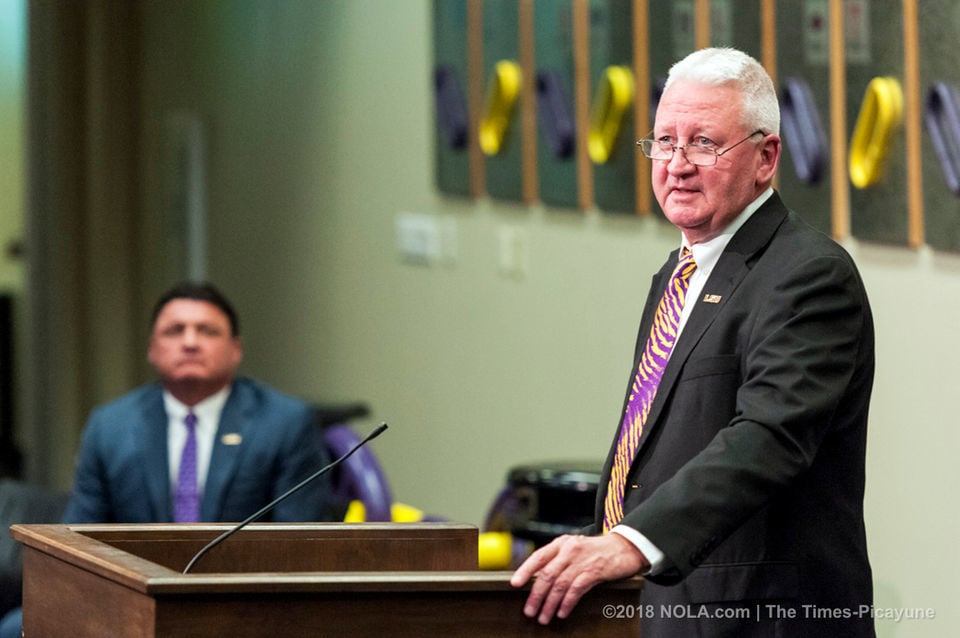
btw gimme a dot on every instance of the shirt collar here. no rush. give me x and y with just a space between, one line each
207 410
707 254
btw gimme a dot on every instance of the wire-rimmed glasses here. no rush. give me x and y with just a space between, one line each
696 154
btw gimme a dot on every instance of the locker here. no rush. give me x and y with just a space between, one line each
451 104
939 26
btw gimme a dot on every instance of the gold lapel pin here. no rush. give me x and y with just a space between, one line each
712 298
231 439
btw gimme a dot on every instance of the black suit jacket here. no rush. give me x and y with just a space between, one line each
750 472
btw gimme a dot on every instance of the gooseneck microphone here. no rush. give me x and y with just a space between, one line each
269 506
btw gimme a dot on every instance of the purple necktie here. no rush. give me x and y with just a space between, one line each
654 359
186 502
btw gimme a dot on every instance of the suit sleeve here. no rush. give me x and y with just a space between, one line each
798 350
89 501
303 454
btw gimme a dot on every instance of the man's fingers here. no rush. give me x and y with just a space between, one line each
536 561
538 593
526 570
547 563
565 591
533 564
574 593
558 588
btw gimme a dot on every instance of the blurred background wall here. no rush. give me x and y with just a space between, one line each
273 146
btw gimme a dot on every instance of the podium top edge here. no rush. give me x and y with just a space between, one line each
355 582
325 526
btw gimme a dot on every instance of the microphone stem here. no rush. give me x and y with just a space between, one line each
269 506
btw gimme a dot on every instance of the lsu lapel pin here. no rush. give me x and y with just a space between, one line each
231 438
712 298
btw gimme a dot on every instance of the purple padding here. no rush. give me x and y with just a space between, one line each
942 115
803 134
360 476
555 113
451 107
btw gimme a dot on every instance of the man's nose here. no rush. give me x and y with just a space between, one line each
190 338
678 162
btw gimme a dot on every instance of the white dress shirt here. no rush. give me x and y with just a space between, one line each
208 420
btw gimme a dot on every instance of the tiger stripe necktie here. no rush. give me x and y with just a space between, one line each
663 334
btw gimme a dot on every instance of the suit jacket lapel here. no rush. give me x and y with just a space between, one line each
154 455
232 434
731 268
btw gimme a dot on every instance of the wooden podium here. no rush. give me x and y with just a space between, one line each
285 580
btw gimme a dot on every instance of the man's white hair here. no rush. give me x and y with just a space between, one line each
724 66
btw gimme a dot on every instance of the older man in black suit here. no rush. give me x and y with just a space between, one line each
735 480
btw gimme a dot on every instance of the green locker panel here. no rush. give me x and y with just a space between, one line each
451 104
939 24
672 37
556 115
500 118
736 23
613 133
874 68
803 78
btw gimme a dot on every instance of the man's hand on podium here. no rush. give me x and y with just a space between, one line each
569 567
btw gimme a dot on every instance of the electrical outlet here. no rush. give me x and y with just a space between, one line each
418 238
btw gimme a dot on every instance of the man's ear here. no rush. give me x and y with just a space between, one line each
769 159
150 351
238 345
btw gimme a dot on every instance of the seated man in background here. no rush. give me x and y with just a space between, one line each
201 444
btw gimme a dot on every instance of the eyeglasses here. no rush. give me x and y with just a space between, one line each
696 154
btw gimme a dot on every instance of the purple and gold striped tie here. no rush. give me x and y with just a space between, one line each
663 335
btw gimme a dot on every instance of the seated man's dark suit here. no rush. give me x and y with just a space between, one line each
750 472
265 444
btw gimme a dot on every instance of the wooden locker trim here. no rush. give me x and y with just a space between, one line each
912 117
581 73
701 24
840 193
528 103
478 173
768 48
641 104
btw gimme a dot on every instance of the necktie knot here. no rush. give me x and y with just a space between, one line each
687 264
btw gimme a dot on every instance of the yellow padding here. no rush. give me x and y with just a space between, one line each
356 513
399 513
495 550
881 114
611 103
502 94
